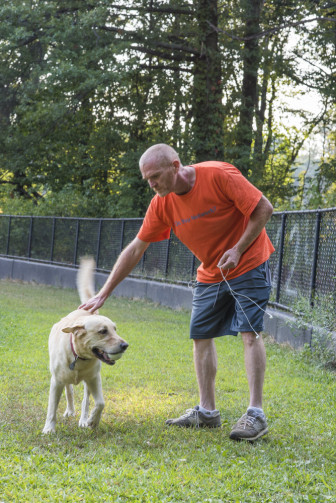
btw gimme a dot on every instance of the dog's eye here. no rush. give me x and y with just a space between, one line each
103 331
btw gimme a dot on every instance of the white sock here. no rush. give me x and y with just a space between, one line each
206 411
257 410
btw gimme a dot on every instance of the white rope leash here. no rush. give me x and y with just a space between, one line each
234 295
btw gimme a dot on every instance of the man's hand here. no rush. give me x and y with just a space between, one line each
93 304
230 259
126 261
257 221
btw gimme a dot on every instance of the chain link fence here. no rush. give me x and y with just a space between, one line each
304 263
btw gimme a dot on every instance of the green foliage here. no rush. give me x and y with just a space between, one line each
321 319
86 87
268 134
133 456
68 202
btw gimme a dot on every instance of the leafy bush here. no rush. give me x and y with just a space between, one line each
69 202
322 319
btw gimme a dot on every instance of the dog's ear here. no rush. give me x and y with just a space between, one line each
68 330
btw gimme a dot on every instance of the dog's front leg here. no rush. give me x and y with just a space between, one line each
69 393
85 407
95 388
54 398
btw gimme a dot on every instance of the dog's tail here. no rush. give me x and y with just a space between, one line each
85 279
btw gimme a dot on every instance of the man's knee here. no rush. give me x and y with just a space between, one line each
203 348
250 338
203 343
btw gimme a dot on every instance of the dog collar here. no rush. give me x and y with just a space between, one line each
72 365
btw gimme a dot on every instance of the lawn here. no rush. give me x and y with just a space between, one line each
133 456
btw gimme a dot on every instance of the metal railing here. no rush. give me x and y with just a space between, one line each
304 263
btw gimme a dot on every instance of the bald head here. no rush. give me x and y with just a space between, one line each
160 166
160 154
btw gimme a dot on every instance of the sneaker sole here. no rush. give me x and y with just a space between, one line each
235 436
202 425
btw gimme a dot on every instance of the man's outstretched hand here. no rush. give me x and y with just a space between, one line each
93 304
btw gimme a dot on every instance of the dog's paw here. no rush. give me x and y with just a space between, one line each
69 413
88 423
93 424
48 429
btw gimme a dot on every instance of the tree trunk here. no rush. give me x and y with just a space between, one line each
249 93
207 90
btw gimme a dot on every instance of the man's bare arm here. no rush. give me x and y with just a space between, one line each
125 263
258 219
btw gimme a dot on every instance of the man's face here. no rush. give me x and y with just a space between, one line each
160 178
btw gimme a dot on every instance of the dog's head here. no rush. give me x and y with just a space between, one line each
97 336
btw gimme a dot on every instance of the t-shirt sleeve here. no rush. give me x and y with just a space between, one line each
241 192
153 228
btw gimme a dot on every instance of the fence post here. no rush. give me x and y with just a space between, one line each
30 237
98 241
52 239
122 235
8 235
76 242
193 262
315 258
167 256
281 249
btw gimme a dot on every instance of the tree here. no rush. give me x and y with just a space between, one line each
86 87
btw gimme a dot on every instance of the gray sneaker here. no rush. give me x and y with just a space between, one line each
249 427
195 418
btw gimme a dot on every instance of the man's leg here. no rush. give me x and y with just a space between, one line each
253 425
205 360
212 311
255 363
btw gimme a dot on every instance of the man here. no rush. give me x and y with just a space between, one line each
221 217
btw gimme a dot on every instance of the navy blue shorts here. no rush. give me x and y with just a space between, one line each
217 311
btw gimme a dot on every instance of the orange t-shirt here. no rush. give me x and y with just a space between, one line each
210 219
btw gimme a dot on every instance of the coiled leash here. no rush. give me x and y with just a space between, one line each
234 295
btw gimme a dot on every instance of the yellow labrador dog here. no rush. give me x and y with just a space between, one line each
77 345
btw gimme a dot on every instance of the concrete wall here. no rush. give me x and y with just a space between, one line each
174 296
277 324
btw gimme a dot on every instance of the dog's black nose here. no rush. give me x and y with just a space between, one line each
124 346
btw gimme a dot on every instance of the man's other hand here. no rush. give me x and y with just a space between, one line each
229 259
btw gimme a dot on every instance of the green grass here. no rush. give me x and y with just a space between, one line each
133 456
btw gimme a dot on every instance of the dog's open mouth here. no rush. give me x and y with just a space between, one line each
108 358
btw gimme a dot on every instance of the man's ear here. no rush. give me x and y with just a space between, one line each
176 165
